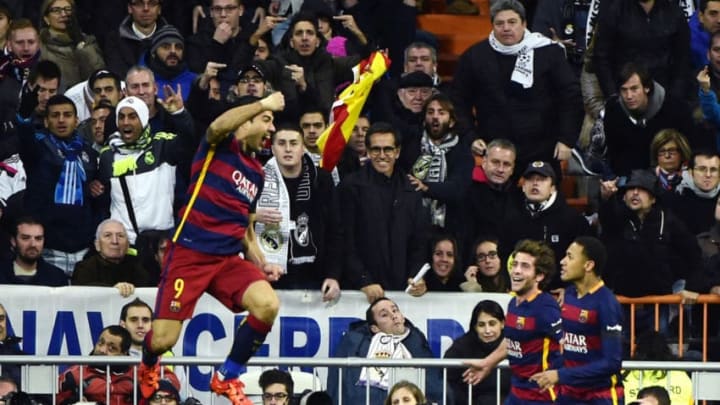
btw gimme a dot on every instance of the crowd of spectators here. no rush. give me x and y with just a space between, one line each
103 104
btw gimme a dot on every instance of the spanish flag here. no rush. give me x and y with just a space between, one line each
346 108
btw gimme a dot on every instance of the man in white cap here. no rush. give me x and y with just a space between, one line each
137 170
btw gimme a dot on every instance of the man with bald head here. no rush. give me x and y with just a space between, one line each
112 266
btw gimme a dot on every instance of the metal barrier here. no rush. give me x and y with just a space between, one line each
656 301
698 369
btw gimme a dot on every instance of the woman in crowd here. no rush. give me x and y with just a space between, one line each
484 335
443 274
669 155
487 273
405 393
77 54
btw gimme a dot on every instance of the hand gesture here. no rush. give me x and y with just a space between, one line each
568 43
173 101
703 78
417 183
259 15
211 70
348 22
268 24
297 74
223 32
197 14
545 379
608 188
274 102
471 273
479 147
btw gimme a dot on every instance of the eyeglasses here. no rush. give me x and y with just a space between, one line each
278 396
705 169
148 3
60 10
376 150
162 398
254 80
668 151
489 255
219 10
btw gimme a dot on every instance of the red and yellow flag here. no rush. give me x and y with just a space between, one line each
347 107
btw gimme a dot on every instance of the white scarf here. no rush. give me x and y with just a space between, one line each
273 239
525 52
383 346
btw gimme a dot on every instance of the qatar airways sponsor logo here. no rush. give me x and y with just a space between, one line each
514 349
244 186
574 343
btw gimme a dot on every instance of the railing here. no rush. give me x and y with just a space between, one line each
656 301
694 367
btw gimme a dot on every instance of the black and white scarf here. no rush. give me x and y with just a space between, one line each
525 52
431 167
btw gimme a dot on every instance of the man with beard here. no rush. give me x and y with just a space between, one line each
165 59
28 267
533 328
138 171
114 340
313 123
542 214
102 85
297 218
443 166
217 224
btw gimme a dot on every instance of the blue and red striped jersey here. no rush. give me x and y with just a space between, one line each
227 195
592 345
533 330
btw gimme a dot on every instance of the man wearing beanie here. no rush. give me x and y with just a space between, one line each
137 170
204 254
165 59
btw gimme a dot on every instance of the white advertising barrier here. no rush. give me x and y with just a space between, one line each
67 320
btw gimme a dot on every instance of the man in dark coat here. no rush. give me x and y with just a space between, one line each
385 225
28 266
521 87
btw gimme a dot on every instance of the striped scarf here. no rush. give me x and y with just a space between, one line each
69 187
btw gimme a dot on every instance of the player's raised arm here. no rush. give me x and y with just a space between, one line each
231 119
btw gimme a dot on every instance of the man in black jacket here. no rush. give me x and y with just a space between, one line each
9 346
518 85
542 214
385 226
297 224
133 38
28 267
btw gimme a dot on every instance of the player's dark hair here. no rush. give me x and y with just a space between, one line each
594 250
